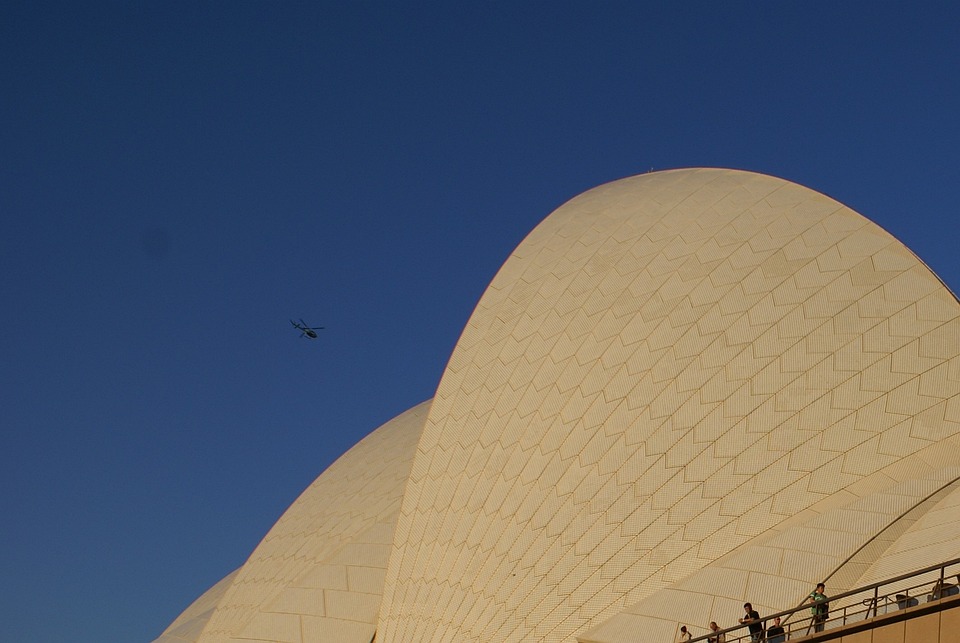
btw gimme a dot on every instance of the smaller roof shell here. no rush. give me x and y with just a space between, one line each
318 574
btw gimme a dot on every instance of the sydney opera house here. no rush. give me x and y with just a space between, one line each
683 391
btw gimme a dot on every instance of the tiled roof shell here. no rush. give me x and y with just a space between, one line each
684 390
318 574
671 370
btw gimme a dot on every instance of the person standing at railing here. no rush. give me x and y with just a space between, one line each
718 636
775 633
820 608
684 635
752 620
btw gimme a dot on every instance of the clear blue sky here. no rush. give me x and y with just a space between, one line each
180 178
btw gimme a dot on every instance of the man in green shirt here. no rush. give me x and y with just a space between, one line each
819 609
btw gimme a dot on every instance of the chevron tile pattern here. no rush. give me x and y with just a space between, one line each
840 540
683 391
669 367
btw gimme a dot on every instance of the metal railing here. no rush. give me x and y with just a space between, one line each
897 593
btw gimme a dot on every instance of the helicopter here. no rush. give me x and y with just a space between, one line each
306 331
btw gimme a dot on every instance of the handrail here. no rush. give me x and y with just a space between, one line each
872 604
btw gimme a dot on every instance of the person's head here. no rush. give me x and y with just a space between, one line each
683 628
776 621
714 626
821 588
747 607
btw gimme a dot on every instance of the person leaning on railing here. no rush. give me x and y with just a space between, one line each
716 635
752 620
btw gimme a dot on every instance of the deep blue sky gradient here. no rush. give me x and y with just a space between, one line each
179 178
